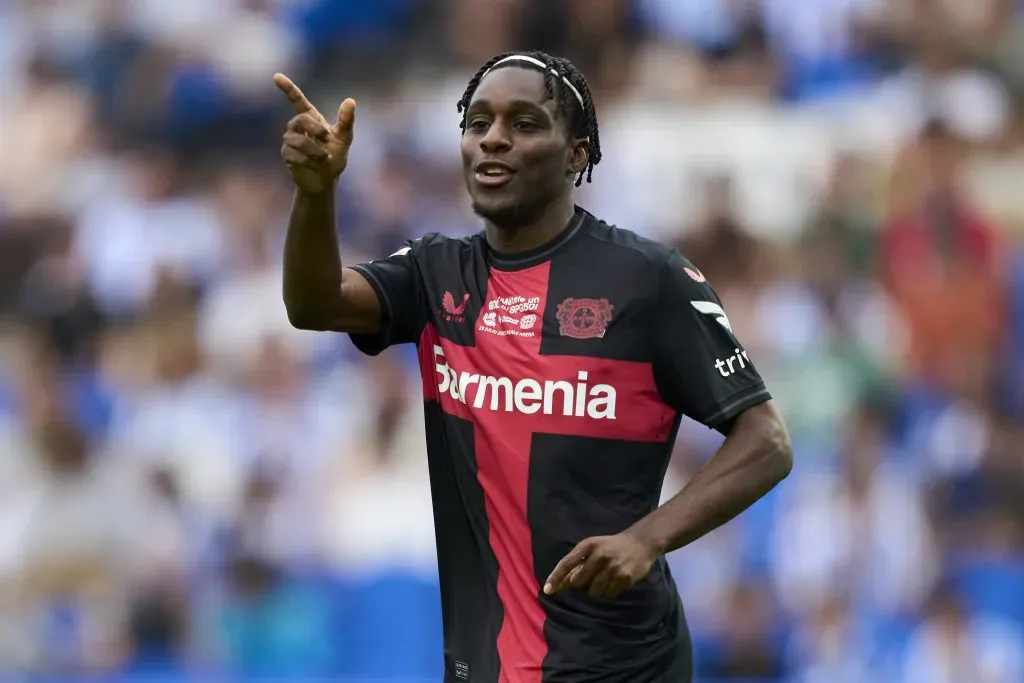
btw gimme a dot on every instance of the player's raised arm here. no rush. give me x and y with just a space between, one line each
318 293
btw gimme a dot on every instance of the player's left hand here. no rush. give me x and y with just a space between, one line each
607 564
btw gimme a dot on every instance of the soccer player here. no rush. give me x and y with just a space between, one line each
558 354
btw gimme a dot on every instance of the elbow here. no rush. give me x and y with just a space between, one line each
304 319
767 439
777 450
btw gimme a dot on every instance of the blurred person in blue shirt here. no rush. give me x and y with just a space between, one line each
271 626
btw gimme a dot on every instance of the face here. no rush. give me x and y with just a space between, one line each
516 156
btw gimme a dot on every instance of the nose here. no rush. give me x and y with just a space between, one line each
497 138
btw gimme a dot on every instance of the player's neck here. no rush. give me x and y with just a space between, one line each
526 237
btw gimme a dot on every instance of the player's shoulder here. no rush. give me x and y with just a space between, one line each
439 245
430 241
650 254
645 259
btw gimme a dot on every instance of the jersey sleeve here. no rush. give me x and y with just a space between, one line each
701 369
396 282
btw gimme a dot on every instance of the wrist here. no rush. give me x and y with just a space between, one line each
648 535
321 194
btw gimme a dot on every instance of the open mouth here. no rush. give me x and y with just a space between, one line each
493 173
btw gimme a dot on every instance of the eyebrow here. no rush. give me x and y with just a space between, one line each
514 104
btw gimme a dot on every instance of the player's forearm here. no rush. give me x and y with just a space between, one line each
754 458
312 261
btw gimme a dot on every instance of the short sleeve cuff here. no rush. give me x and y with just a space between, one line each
728 409
374 344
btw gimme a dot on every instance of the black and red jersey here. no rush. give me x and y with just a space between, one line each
554 382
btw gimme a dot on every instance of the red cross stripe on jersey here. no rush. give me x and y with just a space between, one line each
510 392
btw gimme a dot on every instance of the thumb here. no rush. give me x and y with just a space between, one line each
343 128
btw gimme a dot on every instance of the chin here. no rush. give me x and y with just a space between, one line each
501 214
509 214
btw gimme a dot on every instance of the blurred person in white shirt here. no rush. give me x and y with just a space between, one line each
177 415
954 646
75 543
379 512
255 41
286 432
942 82
126 240
863 529
829 648
243 307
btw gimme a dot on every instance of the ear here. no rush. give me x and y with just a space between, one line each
579 154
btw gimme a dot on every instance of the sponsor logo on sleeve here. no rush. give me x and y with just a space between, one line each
733 364
715 311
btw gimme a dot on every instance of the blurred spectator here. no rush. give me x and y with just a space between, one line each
953 646
943 264
824 45
862 529
126 242
722 245
243 307
271 627
942 83
378 508
42 137
749 647
830 647
73 545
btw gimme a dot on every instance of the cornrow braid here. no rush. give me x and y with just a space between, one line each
581 121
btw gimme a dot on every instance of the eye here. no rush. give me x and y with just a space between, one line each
477 124
526 125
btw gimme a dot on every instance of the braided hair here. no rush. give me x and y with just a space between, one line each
581 122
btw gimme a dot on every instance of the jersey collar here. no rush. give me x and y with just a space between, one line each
525 259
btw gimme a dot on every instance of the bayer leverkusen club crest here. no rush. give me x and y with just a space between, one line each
584 318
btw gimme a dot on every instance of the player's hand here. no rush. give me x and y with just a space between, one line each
607 564
315 150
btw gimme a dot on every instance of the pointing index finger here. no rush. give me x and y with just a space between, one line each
294 95
562 570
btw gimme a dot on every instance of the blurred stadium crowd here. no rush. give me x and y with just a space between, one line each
189 487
